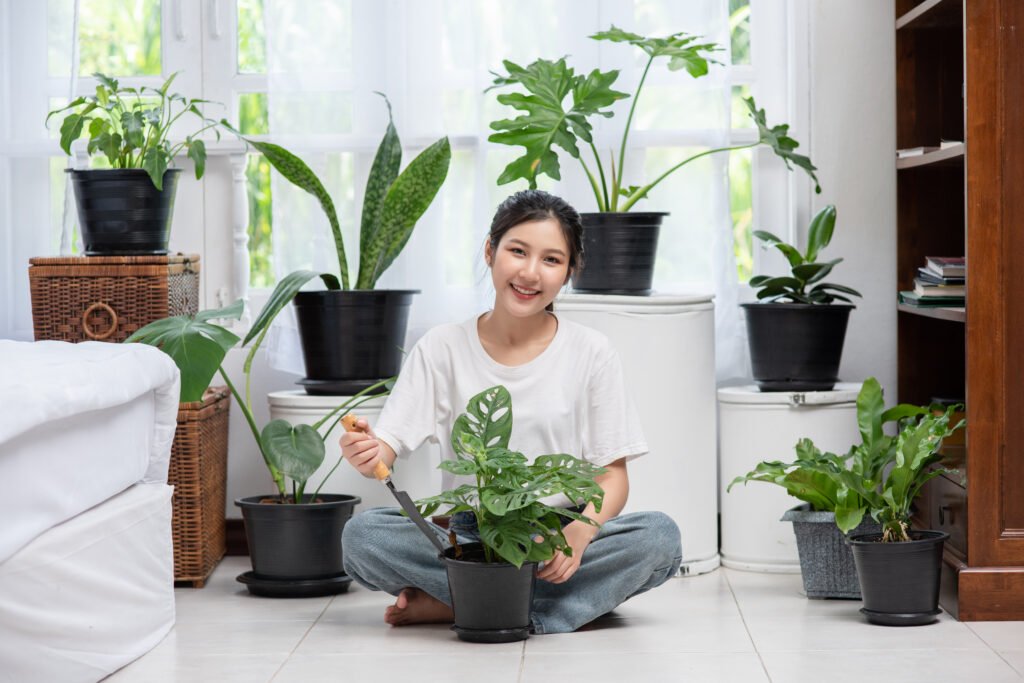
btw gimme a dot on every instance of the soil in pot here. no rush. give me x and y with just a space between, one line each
491 600
296 546
900 581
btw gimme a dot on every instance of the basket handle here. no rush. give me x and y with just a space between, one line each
85 321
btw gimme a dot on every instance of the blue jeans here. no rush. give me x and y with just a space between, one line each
631 554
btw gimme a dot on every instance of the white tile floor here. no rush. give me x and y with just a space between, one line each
724 626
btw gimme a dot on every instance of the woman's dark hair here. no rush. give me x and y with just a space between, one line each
537 205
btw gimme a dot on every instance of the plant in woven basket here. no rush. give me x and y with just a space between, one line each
292 453
506 498
131 126
392 204
549 120
880 476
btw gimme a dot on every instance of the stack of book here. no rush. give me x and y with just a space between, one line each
941 282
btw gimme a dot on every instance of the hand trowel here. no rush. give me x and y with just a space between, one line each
383 474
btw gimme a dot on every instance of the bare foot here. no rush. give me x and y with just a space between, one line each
413 606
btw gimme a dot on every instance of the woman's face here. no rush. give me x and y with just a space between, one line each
529 267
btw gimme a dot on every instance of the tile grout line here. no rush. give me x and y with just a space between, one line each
522 663
315 622
991 647
746 627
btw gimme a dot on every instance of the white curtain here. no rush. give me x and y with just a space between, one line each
432 59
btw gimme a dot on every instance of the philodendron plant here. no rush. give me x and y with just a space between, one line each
880 476
130 126
392 203
805 283
506 497
198 346
549 120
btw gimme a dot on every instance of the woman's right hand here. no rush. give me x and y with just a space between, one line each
361 448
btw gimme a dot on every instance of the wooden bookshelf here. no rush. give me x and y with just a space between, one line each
960 76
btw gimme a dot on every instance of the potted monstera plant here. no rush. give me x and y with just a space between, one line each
127 208
557 107
352 336
492 581
294 536
797 327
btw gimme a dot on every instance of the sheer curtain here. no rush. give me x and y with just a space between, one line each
432 59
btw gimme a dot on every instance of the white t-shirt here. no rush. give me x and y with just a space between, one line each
569 399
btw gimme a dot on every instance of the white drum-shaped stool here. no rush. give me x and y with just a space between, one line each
416 474
756 426
667 346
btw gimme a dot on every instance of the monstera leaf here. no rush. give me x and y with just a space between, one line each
546 121
196 345
683 50
777 137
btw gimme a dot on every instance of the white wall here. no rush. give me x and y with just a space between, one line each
849 98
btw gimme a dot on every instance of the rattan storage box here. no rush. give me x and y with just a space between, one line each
198 472
106 298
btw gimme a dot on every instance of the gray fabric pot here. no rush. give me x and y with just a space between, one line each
826 562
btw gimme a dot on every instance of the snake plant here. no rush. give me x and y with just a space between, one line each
392 203
548 120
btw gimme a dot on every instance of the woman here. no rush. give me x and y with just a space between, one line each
569 395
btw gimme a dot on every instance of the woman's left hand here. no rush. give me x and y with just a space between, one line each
560 568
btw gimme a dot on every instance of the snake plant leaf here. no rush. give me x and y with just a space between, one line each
406 201
819 234
778 139
382 174
196 346
546 122
283 293
295 451
681 48
299 174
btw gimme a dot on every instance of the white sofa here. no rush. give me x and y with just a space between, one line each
86 564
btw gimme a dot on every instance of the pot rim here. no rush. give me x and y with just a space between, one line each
925 537
794 306
340 499
117 171
469 563
358 292
625 213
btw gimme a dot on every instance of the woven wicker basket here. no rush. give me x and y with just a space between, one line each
198 472
106 298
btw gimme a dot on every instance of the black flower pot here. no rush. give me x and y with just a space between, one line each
351 339
491 600
120 211
296 549
899 582
618 253
796 347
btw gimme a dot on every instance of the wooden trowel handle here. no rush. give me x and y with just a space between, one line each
380 471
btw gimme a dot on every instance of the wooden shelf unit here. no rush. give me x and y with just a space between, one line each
960 76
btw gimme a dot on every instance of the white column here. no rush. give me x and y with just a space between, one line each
240 233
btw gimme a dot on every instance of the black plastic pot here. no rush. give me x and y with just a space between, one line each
296 543
491 600
121 212
618 253
351 339
899 582
796 347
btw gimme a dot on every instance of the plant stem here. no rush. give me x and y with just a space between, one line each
642 192
593 185
617 182
604 183
247 413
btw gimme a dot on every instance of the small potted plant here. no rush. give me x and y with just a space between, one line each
126 209
372 322
797 327
294 537
620 245
491 582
